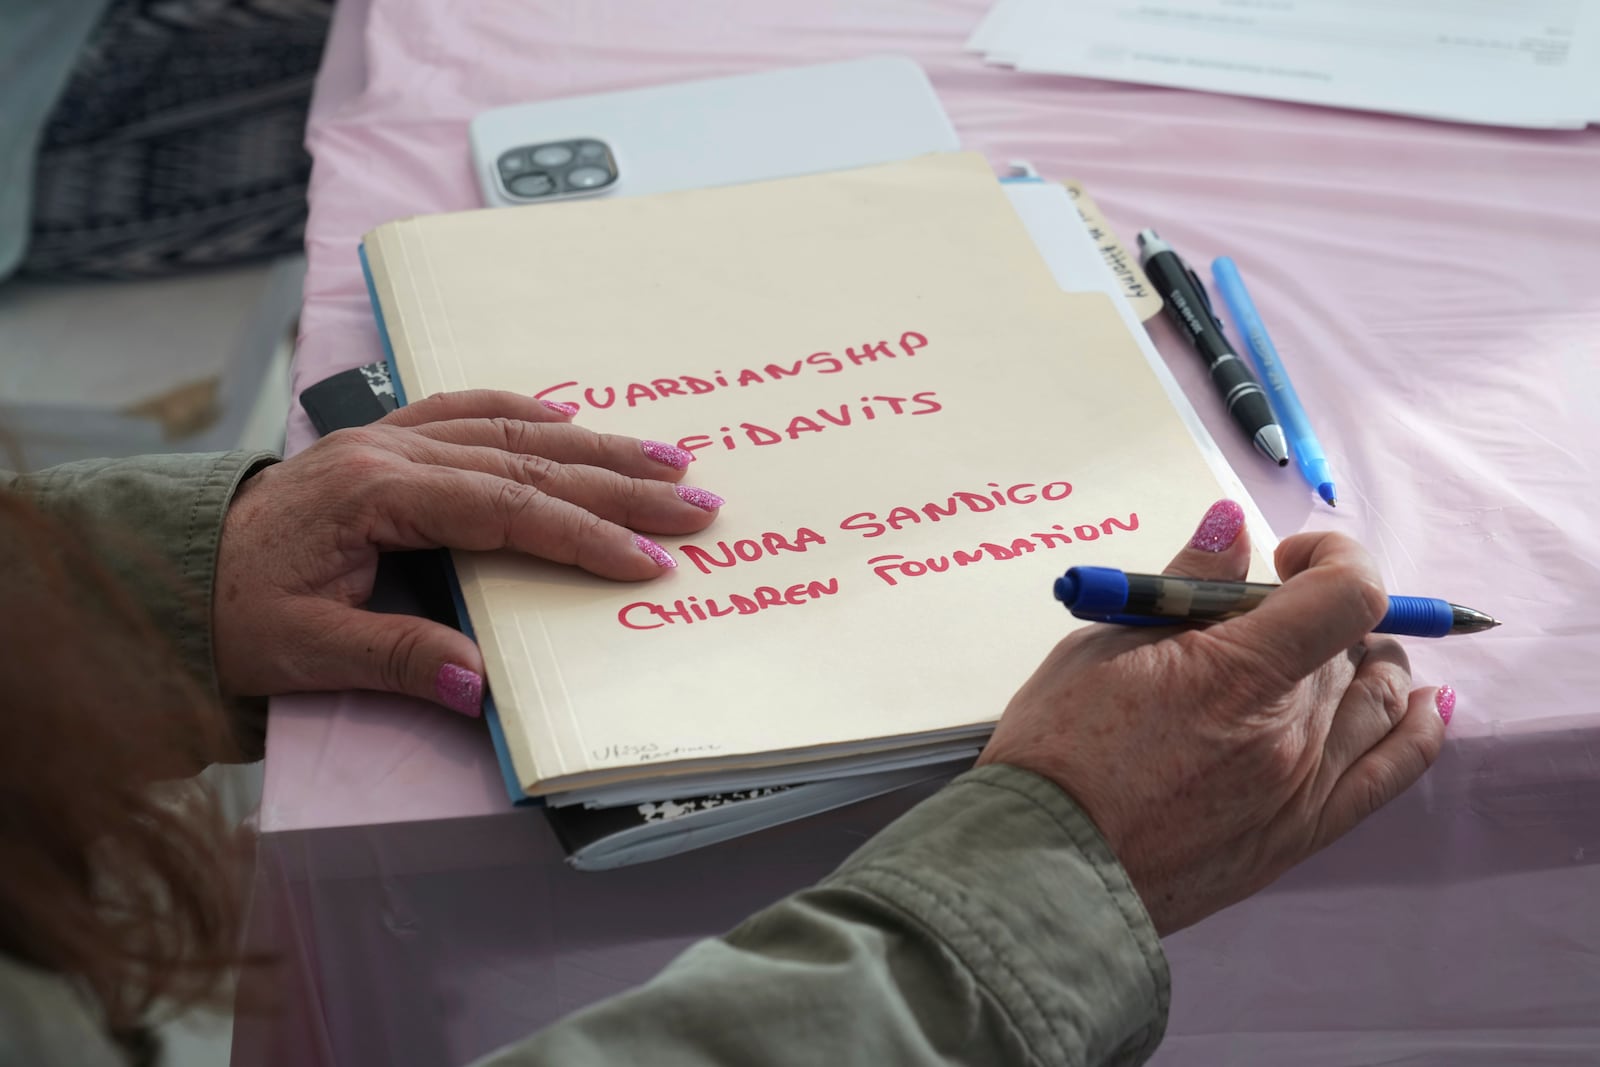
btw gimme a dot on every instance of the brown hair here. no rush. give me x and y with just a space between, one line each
115 876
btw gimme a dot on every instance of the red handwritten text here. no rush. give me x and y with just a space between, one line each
748 550
870 408
868 523
892 568
632 394
646 615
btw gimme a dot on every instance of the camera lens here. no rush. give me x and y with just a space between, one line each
587 177
591 150
513 163
552 155
532 185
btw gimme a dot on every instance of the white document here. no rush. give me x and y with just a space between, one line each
1533 63
994 33
1052 219
677 834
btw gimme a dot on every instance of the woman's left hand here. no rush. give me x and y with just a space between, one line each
478 471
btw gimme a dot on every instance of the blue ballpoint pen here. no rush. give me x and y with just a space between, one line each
1303 443
1105 594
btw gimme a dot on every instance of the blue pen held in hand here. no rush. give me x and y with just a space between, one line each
1303 444
1105 594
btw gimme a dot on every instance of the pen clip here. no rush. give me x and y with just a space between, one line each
1205 297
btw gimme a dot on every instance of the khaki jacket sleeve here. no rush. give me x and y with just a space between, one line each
156 521
989 925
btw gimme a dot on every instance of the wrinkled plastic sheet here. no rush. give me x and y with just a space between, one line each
1433 290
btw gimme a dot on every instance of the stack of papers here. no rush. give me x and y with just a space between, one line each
1534 63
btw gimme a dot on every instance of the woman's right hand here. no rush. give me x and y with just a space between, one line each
1214 760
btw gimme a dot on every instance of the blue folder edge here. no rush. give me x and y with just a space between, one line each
497 734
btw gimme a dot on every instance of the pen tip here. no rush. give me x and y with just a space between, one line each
1325 491
1273 445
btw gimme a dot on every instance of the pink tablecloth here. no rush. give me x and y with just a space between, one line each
1435 289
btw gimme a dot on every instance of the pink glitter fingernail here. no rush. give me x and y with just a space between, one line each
566 409
1445 701
671 455
459 689
703 499
1220 528
660 556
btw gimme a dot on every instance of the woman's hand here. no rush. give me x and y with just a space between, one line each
474 470
1214 760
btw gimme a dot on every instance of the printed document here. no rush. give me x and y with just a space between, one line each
1534 63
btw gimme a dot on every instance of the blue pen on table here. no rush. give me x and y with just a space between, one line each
1105 594
1303 443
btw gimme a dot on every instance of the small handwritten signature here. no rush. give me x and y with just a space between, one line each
649 752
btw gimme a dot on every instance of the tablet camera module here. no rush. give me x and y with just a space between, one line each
558 169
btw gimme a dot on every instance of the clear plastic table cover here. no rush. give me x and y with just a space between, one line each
1433 289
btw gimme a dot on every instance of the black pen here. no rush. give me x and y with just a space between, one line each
1189 307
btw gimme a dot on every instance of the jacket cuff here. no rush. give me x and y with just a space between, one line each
156 523
1016 881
